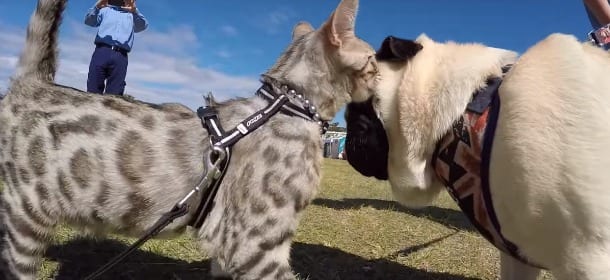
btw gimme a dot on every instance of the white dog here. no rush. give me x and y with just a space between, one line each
528 161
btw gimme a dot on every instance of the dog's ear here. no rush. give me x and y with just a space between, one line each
397 49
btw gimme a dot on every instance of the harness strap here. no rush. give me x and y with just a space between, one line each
251 123
475 198
209 120
221 141
305 110
225 140
289 108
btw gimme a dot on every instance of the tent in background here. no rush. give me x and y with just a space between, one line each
334 144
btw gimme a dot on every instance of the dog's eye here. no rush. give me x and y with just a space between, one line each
375 101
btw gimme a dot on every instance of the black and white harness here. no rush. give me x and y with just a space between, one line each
221 141
283 99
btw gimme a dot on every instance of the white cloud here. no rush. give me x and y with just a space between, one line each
280 16
224 54
275 20
177 39
162 67
228 30
8 62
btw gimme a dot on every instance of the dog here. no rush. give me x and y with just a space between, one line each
520 141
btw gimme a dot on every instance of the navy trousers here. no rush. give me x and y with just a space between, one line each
107 71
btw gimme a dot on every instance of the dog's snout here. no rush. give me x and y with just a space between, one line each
366 144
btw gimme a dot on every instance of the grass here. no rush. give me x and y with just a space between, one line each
353 230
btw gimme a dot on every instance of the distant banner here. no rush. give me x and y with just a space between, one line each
342 144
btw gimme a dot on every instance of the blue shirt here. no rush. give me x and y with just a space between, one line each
116 26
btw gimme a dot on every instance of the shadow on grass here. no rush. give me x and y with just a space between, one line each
80 257
448 217
319 262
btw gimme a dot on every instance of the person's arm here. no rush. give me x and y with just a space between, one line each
600 9
94 17
139 22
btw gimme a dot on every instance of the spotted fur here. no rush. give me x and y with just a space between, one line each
105 164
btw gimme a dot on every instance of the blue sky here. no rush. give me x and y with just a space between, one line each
193 47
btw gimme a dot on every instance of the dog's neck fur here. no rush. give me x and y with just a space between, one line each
436 85
443 78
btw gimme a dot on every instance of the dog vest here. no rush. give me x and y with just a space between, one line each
461 161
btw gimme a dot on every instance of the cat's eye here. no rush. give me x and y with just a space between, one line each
369 69
370 61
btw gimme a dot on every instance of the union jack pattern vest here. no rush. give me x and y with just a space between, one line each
461 161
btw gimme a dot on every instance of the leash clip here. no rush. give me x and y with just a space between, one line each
219 154
212 172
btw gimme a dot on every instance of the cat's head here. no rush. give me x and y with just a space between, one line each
329 65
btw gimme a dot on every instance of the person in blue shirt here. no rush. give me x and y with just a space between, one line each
599 16
117 21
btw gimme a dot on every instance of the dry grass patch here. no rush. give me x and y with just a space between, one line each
353 230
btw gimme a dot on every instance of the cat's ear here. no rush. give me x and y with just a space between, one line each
397 49
210 101
300 29
340 25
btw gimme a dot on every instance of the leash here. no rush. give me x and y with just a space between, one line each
218 160
166 219
179 210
